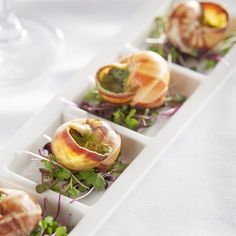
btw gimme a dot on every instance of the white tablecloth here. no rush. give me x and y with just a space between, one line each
192 189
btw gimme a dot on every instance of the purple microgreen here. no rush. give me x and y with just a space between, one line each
58 204
134 118
72 183
48 147
117 168
67 182
42 152
45 202
65 220
169 112
108 177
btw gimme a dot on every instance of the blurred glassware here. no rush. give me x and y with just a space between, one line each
28 46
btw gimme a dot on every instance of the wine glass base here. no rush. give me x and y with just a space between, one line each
31 56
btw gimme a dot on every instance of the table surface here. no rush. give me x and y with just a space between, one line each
192 189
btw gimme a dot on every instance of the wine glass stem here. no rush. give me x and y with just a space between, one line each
10 27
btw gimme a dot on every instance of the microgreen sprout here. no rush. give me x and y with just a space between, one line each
134 118
73 184
49 225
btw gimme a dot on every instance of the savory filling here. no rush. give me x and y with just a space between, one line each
2 196
115 80
90 142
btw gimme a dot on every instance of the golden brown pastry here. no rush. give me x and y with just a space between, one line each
197 25
19 213
140 79
83 144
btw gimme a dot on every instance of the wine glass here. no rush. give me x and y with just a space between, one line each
28 46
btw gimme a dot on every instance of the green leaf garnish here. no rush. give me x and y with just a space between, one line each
73 183
93 178
118 116
159 27
97 180
86 173
40 188
62 173
125 116
130 121
92 97
178 98
117 168
73 192
174 54
47 164
61 231
133 118
49 226
2 196
210 64
159 50
56 187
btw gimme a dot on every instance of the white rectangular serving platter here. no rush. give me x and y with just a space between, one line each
143 150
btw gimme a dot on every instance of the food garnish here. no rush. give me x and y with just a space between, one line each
49 225
132 92
132 117
72 183
194 34
83 156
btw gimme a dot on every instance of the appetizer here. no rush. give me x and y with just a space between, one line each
140 79
21 214
83 144
82 156
132 92
194 34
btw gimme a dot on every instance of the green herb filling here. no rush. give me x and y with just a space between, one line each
2 196
115 80
90 141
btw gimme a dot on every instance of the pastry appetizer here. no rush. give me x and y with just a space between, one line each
19 212
83 144
82 156
196 25
133 91
21 215
140 80
194 34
